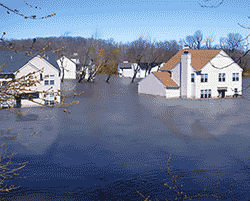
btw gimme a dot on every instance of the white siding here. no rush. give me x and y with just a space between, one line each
69 68
185 75
127 73
34 65
213 83
172 93
176 73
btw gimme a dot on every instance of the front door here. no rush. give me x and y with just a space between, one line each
222 93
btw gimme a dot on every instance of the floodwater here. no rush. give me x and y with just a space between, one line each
116 142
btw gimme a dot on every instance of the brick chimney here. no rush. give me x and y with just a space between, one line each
185 73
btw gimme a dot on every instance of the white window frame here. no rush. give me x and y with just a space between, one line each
222 77
49 79
204 77
49 100
235 77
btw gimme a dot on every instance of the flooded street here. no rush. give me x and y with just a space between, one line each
116 142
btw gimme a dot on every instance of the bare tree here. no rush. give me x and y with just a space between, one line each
195 41
136 52
16 86
210 178
198 37
209 41
151 55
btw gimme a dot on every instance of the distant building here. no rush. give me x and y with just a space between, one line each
126 69
195 74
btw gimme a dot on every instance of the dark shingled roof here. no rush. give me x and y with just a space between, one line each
15 61
143 66
125 65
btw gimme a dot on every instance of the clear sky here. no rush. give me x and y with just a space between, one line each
126 20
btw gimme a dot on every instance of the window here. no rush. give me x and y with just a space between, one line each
41 77
206 93
49 80
192 77
203 77
222 77
49 99
235 76
209 93
236 90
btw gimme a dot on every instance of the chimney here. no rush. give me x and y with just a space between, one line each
185 68
125 61
186 48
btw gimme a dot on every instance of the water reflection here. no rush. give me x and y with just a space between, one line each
115 141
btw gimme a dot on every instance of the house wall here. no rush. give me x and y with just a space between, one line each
172 93
213 83
152 85
127 72
69 68
185 75
176 73
34 65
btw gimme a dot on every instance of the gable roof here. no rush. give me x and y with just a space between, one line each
125 65
165 78
15 61
199 58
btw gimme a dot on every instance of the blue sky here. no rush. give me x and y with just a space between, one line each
126 20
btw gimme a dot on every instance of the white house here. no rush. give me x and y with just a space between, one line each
19 65
126 69
69 66
195 74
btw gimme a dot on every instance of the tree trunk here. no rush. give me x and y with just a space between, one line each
82 76
135 74
109 77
